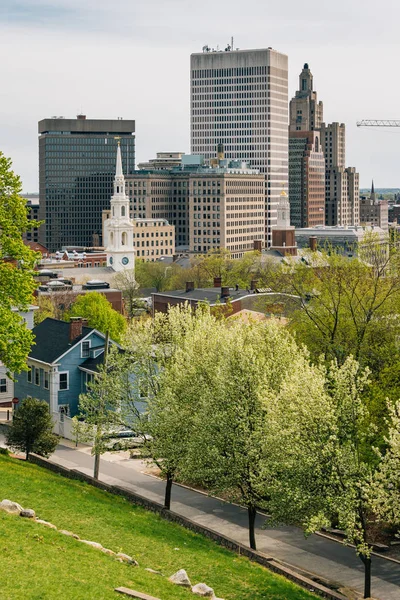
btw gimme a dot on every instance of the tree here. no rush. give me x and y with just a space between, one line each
32 429
99 313
16 271
320 472
99 408
126 282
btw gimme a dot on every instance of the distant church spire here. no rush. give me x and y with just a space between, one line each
373 195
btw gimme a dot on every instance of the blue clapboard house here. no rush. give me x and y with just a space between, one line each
64 358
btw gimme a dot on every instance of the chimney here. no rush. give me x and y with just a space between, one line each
189 286
75 328
225 292
253 284
217 282
313 243
81 117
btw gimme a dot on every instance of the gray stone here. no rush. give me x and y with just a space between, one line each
13 508
108 551
154 572
128 559
46 523
65 532
180 578
28 513
201 589
93 544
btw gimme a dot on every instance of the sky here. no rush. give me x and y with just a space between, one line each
130 59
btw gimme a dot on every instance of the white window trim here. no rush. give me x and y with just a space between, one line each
37 370
46 387
59 381
29 375
90 345
5 380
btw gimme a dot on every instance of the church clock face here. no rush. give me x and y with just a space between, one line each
111 260
125 260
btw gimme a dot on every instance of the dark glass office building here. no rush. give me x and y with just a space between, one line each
76 172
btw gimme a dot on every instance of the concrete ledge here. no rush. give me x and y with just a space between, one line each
133 594
253 555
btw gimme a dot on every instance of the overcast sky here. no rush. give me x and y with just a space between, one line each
130 59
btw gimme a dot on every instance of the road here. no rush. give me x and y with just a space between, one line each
325 558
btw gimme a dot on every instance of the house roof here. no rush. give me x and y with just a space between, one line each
92 364
211 295
52 340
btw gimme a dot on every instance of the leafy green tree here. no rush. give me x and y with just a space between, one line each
99 408
320 472
32 429
126 282
237 373
99 313
16 270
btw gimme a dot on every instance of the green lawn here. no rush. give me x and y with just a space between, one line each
38 563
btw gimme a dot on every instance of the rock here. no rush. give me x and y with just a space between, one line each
154 572
46 523
93 544
180 578
201 589
108 551
127 559
65 532
28 513
13 508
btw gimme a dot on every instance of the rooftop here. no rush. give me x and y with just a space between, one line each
52 340
211 295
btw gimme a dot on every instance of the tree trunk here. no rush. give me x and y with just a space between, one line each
252 512
367 575
96 466
168 489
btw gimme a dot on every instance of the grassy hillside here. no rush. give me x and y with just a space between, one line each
40 563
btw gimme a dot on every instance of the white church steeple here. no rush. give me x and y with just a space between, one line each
119 229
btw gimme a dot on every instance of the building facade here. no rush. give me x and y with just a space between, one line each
306 179
163 161
32 204
76 173
306 113
239 98
373 211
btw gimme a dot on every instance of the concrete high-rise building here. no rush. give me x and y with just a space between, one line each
76 174
240 98
218 206
32 204
306 113
306 179
333 140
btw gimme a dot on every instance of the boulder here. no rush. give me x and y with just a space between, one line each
46 523
11 507
180 578
202 589
108 551
66 532
28 513
93 544
154 572
128 559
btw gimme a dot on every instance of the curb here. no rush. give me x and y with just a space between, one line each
333 539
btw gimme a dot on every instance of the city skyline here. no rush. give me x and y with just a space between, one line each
63 58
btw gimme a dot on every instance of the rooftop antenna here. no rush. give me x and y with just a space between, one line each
232 48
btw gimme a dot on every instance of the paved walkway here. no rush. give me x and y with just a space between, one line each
320 556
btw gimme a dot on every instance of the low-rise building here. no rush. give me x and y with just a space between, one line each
346 240
373 211
63 360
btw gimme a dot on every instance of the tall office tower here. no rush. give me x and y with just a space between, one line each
240 99
76 174
342 194
306 113
306 158
306 179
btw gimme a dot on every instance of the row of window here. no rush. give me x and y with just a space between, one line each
40 377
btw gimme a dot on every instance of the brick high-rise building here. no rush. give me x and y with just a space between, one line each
306 113
240 98
76 174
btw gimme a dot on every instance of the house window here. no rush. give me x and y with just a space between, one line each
64 383
37 376
85 349
46 380
3 386
29 375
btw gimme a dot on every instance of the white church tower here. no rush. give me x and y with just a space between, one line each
119 229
